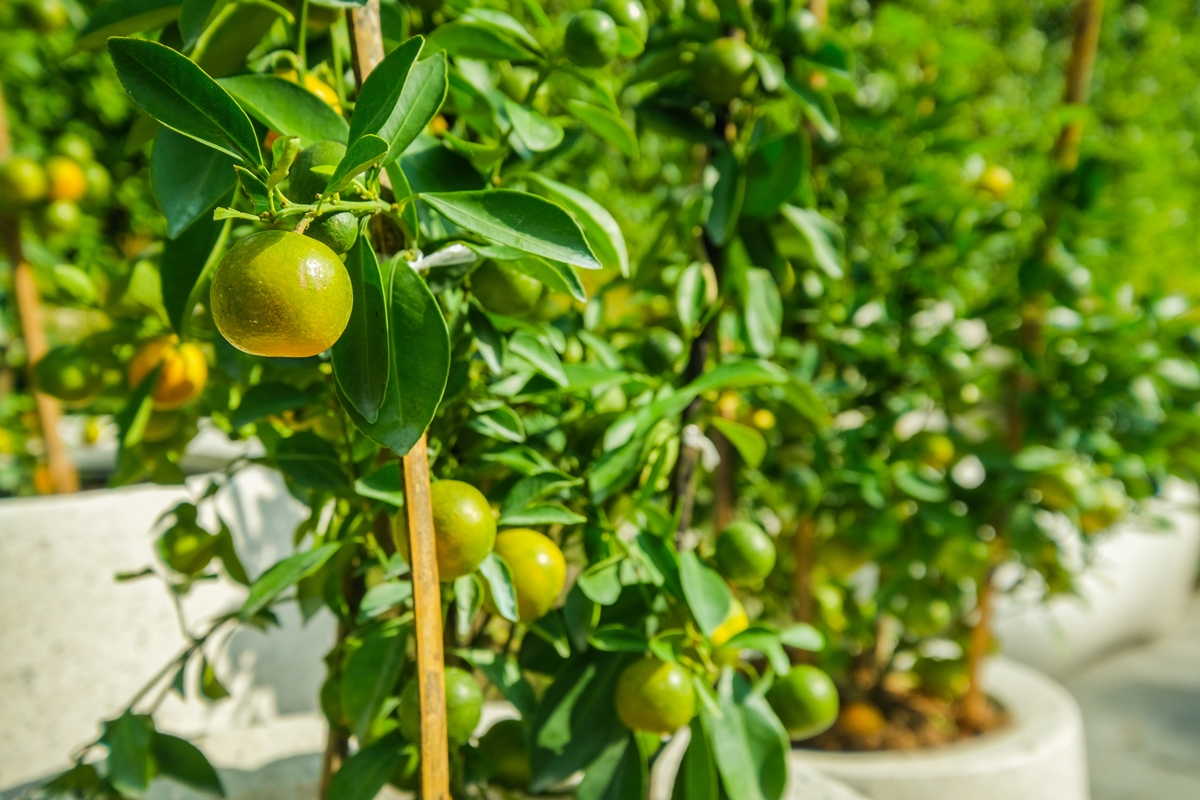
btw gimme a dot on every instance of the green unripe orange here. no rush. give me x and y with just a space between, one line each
661 351
506 746
75 147
67 374
591 39
504 289
464 706
723 70
277 293
62 216
745 553
22 182
629 14
338 230
805 700
463 526
538 570
303 183
655 696
927 618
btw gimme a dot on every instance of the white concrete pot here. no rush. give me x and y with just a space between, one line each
75 644
1137 589
1040 756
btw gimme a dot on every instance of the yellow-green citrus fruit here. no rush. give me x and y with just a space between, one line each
927 618
67 179
74 147
661 351
945 679
655 696
99 182
186 547
464 705
303 183
506 746
62 216
629 14
805 700
463 526
861 719
840 557
22 182
538 570
997 181
745 553
504 289
184 371
735 622
67 374
277 293
800 32
591 39
723 70
937 451
337 231
50 15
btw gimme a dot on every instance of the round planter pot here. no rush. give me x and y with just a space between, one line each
1039 756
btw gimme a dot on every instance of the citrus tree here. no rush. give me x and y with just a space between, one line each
355 271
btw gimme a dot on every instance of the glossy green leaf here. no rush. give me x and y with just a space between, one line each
182 761
119 17
175 91
503 673
477 40
187 258
822 237
607 125
601 582
363 154
419 364
287 108
601 230
375 112
619 773
504 23
132 418
748 441
697 775
618 639
763 312
189 178
424 92
283 575
519 220
773 172
554 274
195 16
365 773
725 187
382 598
385 483
500 585
308 461
371 673
267 398
707 593
498 423
691 295
535 131
211 687
540 357
488 340
360 355
130 760
237 29
542 514
802 636
818 110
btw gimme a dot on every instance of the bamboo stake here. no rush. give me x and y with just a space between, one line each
29 308
1087 17
366 42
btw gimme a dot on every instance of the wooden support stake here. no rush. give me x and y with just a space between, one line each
366 42
29 308
1088 15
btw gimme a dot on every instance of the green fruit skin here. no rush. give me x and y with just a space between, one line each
661 352
506 745
724 70
591 39
464 706
800 32
926 619
337 231
303 184
74 147
805 700
99 182
187 548
62 216
745 553
463 525
655 697
22 182
68 375
504 289
628 14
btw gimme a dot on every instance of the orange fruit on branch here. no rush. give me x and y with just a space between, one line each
655 696
463 526
539 570
184 371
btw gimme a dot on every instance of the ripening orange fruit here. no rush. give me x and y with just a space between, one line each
183 375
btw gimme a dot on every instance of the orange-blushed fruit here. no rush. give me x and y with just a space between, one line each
861 719
67 179
315 85
538 570
463 526
277 293
184 371
997 181
655 696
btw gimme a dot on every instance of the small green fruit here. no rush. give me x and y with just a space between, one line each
723 70
591 39
745 553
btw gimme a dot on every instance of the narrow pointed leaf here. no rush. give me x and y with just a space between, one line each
607 125
119 17
287 108
283 575
381 91
424 92
174 90
182 761
602 231
360 156
360 356
188 177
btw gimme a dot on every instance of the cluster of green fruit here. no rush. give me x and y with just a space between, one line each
57 185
